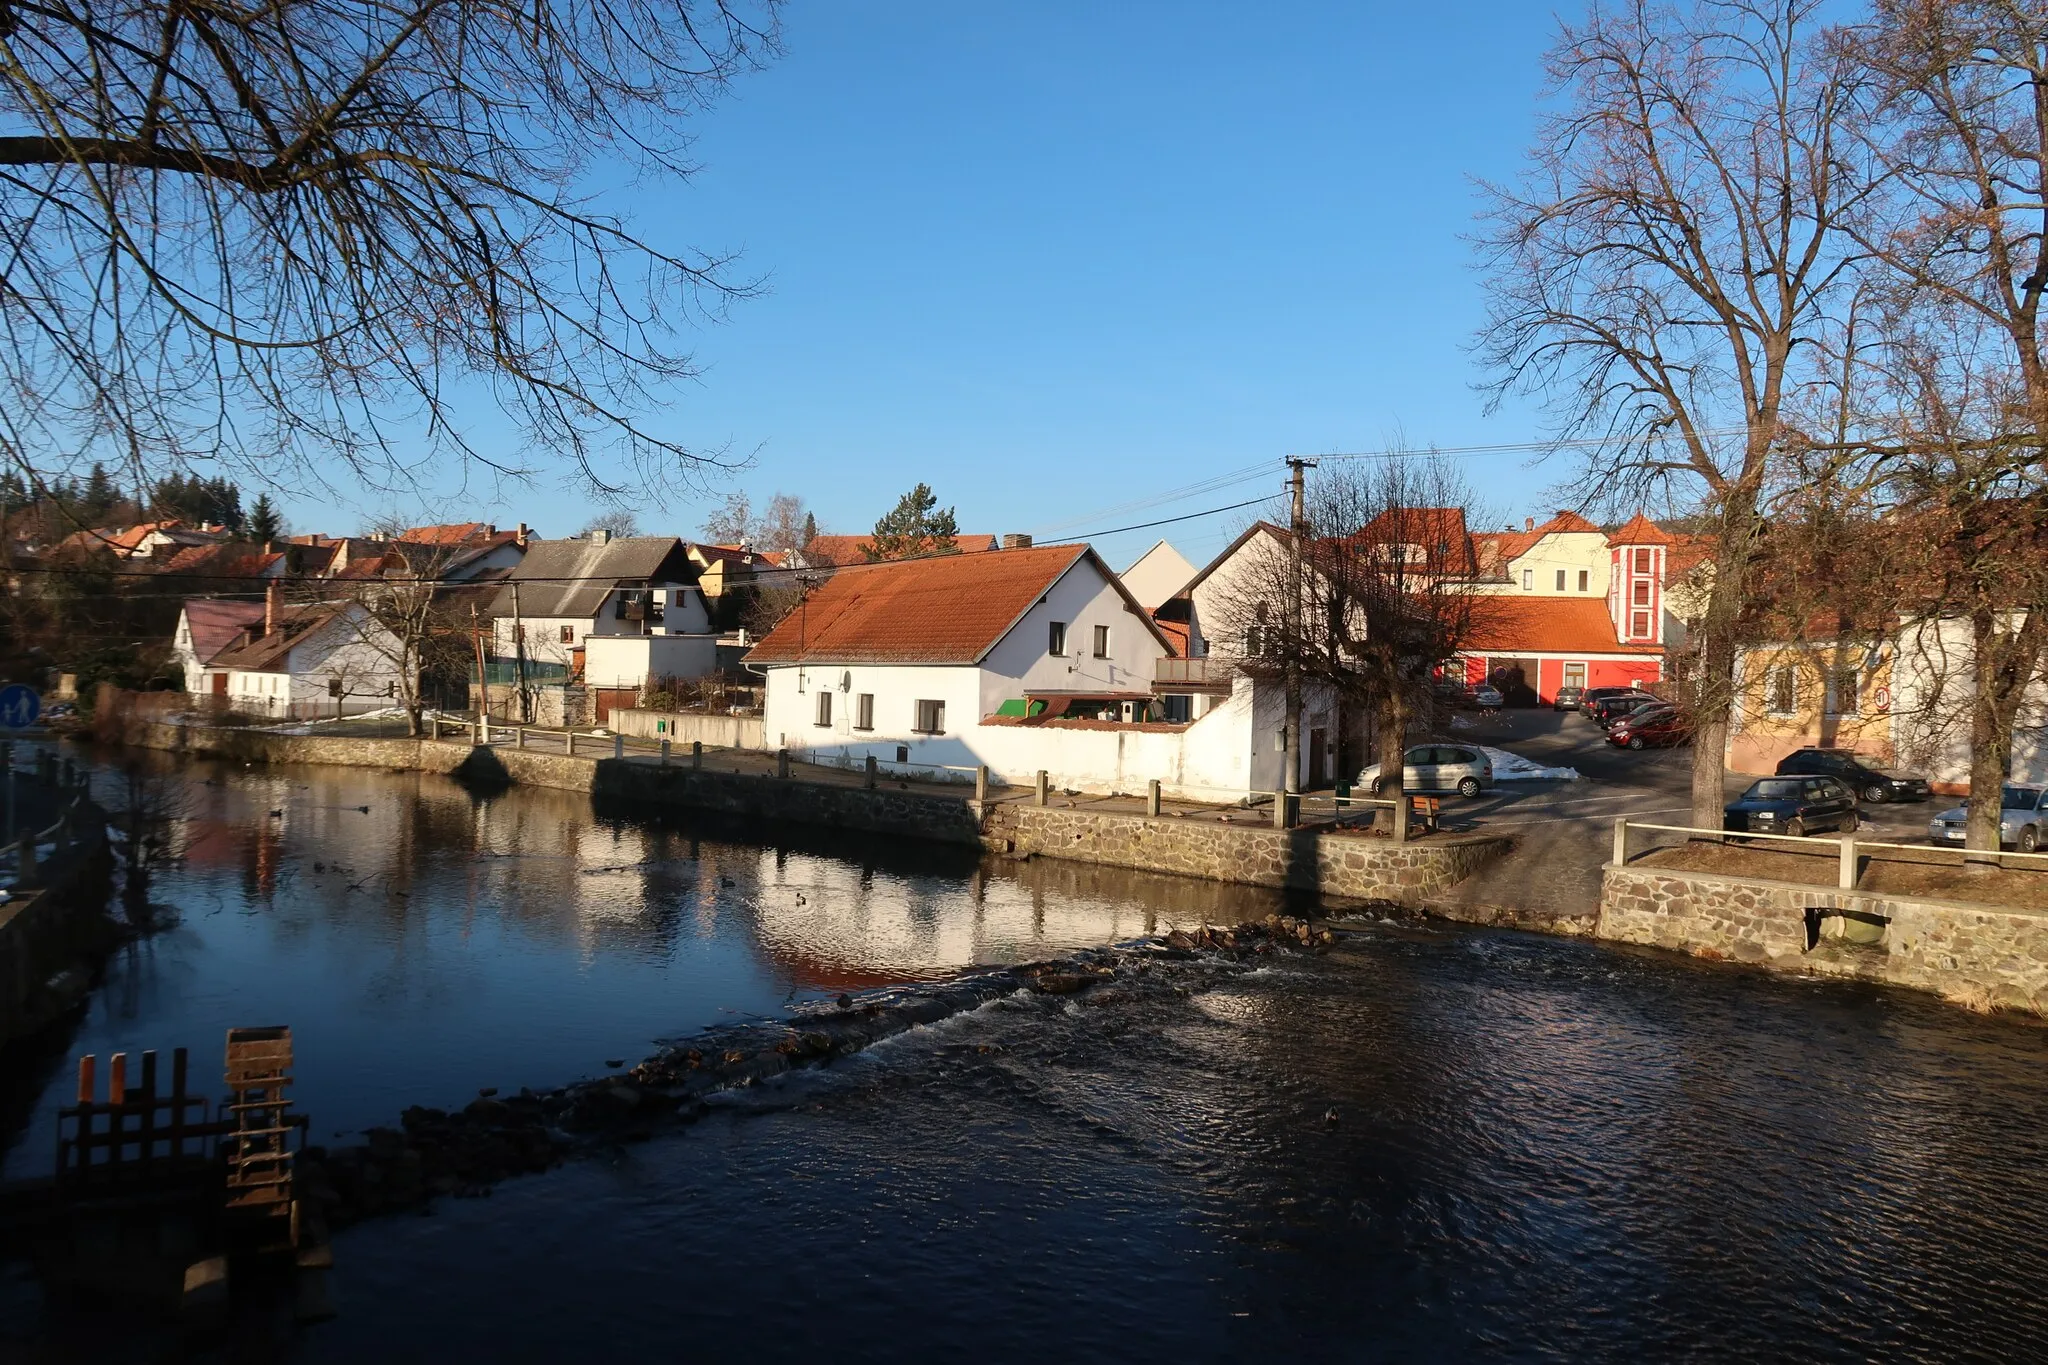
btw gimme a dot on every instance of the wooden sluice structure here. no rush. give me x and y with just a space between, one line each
156 1190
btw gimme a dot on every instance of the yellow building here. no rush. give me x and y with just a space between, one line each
1830 695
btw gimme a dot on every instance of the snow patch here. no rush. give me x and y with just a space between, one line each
1509 767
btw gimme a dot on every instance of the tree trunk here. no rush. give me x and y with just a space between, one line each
1713 687
2000 669
1393 746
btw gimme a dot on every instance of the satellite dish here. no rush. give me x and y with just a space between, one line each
846 681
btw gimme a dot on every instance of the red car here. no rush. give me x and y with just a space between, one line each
1662 727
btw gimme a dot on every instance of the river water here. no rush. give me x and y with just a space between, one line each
1436 1143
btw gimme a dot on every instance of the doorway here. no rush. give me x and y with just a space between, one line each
1318 760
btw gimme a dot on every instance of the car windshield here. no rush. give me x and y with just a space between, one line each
2020 798
1773 789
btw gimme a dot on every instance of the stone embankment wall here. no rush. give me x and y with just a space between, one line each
1982 957
1358 867
53 932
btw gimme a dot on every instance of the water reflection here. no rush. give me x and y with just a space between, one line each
424 939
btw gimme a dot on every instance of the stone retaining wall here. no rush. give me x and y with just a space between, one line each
1357 867
1979 956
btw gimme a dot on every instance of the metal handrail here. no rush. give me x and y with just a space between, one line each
1833 843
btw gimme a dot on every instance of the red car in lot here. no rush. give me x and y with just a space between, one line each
1658 728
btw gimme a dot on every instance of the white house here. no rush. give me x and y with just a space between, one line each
904 660
206 627
638 595
304 660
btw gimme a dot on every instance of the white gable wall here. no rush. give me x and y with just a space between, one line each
1084 599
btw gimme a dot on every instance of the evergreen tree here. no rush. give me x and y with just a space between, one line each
915 527
99 496
810 529
265 525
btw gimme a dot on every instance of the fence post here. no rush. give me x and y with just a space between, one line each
1621 842
1283 810
618 746
519 736
1401 814
664 753
1152 798
1044 786
696 753
569 742
483 728
25 864
870 765
1847 880
981 784
434 726
782 763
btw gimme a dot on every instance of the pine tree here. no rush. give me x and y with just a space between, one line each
914 528
265 525
99 496
810 529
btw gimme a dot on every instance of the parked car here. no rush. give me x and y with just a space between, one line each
1461 768
1622 715
1615 705
2022 820
1594 694
1567 698
1792 805
1873 783
1486 697
1659 726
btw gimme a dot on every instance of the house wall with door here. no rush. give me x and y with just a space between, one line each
554 639
1552 671
1791 697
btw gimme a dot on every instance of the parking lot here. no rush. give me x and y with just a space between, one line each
1565 829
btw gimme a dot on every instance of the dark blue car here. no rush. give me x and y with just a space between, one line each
1792 805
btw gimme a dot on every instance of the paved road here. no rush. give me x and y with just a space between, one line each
1564 830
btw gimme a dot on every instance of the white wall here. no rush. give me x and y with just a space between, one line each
1083 599
788 717
1159 573
1216 600
1932 684
1571 551
630 660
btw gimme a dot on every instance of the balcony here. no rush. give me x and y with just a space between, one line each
1208 674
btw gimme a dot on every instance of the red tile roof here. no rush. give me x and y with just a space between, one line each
945 609
455 533
271 653
1640 530
1440 531
847 549
1545 625
216 624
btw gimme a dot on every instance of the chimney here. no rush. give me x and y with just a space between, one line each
523 533
273 607
1013 541
600 536
1528 523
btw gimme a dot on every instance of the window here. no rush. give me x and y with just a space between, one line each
1643 561
931 718
1585 580
1102 642
864 711
1639 595
1254 641
1639 626
1056 639
1560 580
1783 698
1528 580
824 715
1844 685
568 635
1574 675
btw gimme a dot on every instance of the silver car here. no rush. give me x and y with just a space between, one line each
1461 768
2022 821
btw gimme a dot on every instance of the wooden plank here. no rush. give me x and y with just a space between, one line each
178 1068
147 1127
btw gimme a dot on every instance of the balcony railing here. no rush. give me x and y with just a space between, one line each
1193 675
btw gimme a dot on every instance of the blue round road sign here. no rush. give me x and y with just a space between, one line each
20 707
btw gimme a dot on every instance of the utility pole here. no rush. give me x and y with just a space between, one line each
519 657
1297 466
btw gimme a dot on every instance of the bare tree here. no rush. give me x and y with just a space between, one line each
1388 594
618 522
732 522
781 527
1957 115
1666 274
249 234
403 621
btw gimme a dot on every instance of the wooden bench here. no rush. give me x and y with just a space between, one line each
1422 812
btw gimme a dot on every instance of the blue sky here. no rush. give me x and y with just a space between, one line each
1054 259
